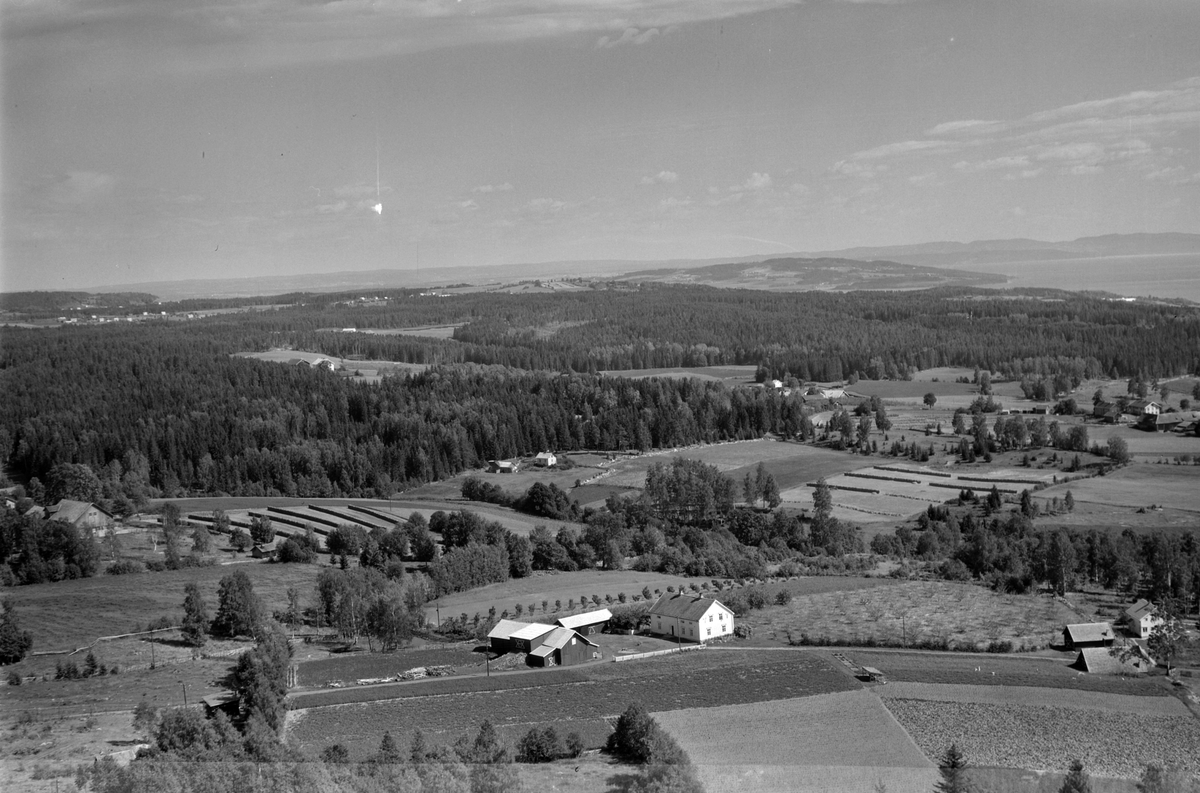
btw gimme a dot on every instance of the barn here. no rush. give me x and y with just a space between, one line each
530 637
692 617
564 647
500 637
587 624
1088 634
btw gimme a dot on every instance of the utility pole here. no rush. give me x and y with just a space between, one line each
182 683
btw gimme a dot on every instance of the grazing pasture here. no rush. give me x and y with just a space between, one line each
845 741
982 694
1136 486
52 613
697 679
732 374
1050 736
787 461
356 666
966 616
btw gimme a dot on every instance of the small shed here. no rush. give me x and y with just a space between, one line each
502 467
871 674
564 647
263 550
587 624
225 701
530 637
1088 634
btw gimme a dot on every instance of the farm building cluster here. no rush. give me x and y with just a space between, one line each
679 616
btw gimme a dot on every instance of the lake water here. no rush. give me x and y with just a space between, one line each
1164 275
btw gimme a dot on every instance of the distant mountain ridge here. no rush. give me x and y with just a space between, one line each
1013 250
946 254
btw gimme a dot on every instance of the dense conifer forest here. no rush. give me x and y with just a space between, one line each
165 405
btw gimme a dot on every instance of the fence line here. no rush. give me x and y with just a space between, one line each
651 653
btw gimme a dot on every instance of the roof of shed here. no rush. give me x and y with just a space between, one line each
506 628
1099 660
1090 632
588 618
531 631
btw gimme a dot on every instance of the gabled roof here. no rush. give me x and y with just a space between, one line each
531 631
558 640
1090 632
1099 660
71 511
1140 609
506 628
589 618
684 607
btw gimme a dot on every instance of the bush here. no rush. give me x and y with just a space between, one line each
14 679
783 597
538 746
295 552
125 567
574 744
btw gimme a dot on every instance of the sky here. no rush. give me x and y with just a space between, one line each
148 140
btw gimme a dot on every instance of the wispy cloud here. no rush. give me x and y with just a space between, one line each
662 177
1138 130
630 36
492 188
206 34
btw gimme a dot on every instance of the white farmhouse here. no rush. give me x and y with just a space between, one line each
692 617
1142 619
546 459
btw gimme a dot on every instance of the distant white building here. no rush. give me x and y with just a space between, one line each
546 459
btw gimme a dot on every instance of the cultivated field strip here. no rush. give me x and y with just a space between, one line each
845 741
1036 696
737 778
882 492
592 692
1050 737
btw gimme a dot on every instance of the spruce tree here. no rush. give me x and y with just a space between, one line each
953 769
195 617
1076 780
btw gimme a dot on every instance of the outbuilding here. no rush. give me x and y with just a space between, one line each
500 637
529 637
586 624
563 647
692 617
1088 634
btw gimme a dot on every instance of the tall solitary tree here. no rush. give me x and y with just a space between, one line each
953 769
238 609
195 617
